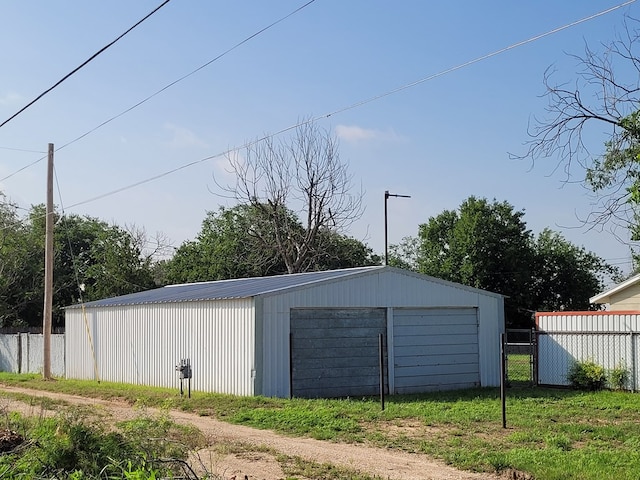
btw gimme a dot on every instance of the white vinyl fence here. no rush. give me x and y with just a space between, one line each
609 339
24 353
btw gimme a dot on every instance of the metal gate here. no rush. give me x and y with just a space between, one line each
520 350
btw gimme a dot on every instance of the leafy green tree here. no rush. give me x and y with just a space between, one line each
487 245
566 275
483 245
227 246
20 266
237 242
92 260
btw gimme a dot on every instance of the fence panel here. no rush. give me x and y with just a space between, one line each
608 339
23 353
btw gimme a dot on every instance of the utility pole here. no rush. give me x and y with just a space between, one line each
386 236
48 270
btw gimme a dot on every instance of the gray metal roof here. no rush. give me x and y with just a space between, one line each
225 289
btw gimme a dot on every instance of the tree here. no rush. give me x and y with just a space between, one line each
301 189
92 260
606 94
488 246
20 266
227 246
566 276
483 245
234 243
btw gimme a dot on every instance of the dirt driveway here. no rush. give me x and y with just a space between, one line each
257 456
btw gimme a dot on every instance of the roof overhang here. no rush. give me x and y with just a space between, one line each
605 296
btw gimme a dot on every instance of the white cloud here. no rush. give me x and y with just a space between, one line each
183 137
10 98
353 133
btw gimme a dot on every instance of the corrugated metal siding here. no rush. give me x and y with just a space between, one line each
141 344
435 349
384 288
608 338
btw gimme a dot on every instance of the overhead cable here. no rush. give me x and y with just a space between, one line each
357 104
164 88
83 64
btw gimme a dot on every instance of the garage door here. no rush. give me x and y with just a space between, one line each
335 353
435 349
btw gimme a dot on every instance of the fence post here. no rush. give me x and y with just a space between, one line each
534 357
381 351
634 373
19 353
503 390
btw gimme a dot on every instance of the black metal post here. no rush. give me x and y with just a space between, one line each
503 390
386 235
381 350
290 366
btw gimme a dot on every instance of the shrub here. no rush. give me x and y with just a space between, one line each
618 377
75 444
587 375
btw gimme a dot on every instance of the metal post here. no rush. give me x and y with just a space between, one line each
381 351
503 390
290 366
386 235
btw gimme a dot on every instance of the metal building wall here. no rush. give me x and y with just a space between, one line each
141 344
608 338
383 288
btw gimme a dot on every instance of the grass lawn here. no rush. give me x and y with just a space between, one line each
551 434
519 369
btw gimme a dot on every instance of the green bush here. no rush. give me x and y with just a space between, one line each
618 377
587 375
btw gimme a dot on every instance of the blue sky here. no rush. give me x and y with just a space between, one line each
439 141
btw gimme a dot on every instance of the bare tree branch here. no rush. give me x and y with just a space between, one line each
304 176
606 93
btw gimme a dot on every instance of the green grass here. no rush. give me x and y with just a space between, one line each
551 434
519 368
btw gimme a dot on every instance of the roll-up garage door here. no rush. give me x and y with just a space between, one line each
435 349
334 351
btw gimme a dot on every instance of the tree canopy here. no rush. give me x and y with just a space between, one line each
487 245
236 243
92 260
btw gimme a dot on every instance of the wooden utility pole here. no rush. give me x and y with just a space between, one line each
48 270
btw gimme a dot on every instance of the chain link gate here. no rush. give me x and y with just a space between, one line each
520 351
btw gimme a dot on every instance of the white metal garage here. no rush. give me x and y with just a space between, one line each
310 334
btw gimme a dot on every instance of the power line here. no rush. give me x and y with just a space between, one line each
171 84
21 150
357 104
83 64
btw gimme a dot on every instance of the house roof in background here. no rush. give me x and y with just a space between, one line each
605 296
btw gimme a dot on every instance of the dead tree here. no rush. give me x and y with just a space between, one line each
303 176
